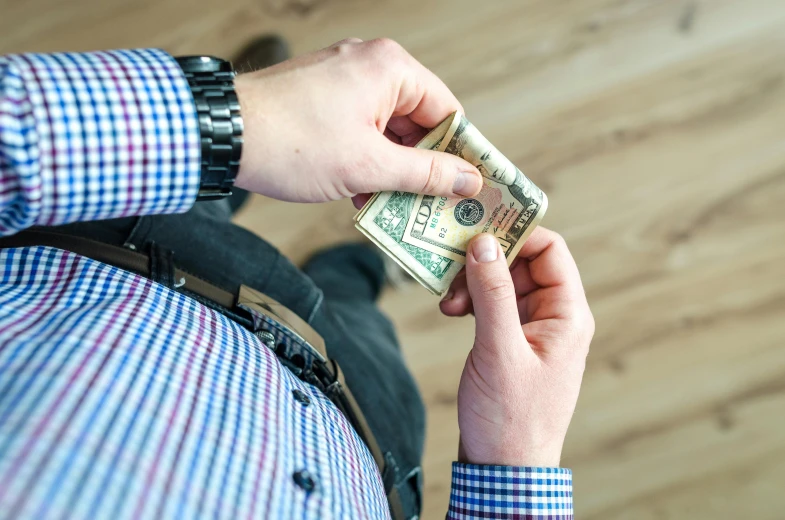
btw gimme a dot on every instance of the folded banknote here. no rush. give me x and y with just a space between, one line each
428 235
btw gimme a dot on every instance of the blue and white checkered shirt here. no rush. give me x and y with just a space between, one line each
120 398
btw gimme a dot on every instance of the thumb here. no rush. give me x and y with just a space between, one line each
425 171
498 325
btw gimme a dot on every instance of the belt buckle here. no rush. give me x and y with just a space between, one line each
261 303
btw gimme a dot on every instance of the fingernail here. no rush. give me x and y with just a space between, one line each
466 184
449 295
485 248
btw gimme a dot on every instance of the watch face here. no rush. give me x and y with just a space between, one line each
204 64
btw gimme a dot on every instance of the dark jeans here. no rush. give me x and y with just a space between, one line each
335 293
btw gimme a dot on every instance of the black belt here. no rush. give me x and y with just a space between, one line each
324 373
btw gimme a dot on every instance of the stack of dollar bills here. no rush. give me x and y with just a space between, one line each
428 235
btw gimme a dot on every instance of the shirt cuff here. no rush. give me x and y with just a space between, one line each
109 134
510 492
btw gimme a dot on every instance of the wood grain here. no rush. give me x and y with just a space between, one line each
657 127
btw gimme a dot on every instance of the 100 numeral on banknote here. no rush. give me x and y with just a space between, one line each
430 231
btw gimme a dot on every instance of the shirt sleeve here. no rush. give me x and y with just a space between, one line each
93 136
508 492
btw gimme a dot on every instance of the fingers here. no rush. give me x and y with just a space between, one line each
417 100
421 95
360 200
456 302
493 296
413 138
425 98
409 133
423 171
346 41
560 293
550 262
392 136
522 277
402 126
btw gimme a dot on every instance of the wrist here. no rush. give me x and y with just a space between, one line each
243 85
263 129
510 454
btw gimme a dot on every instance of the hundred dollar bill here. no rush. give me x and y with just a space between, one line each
428 235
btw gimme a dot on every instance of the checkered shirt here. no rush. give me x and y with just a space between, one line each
120 398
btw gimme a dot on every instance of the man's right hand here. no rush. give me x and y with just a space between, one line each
533 328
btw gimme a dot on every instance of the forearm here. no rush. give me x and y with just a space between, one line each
510 492
94 136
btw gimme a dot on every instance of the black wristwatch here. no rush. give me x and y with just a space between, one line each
220 124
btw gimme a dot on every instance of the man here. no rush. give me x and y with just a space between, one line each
142 371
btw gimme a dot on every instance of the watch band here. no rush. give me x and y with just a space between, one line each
220 124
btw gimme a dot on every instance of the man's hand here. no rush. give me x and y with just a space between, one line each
533 328
340 122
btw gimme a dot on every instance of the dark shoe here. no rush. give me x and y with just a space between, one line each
348 272
260 53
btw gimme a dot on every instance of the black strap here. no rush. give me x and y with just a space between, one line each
220 124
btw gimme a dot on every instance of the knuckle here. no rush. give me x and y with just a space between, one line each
342 48
558 240
583 332
484 345
348 41
345 47
434 177
387 51
385 46
497 289
590 329
591 325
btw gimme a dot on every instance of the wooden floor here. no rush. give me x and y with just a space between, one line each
657 128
